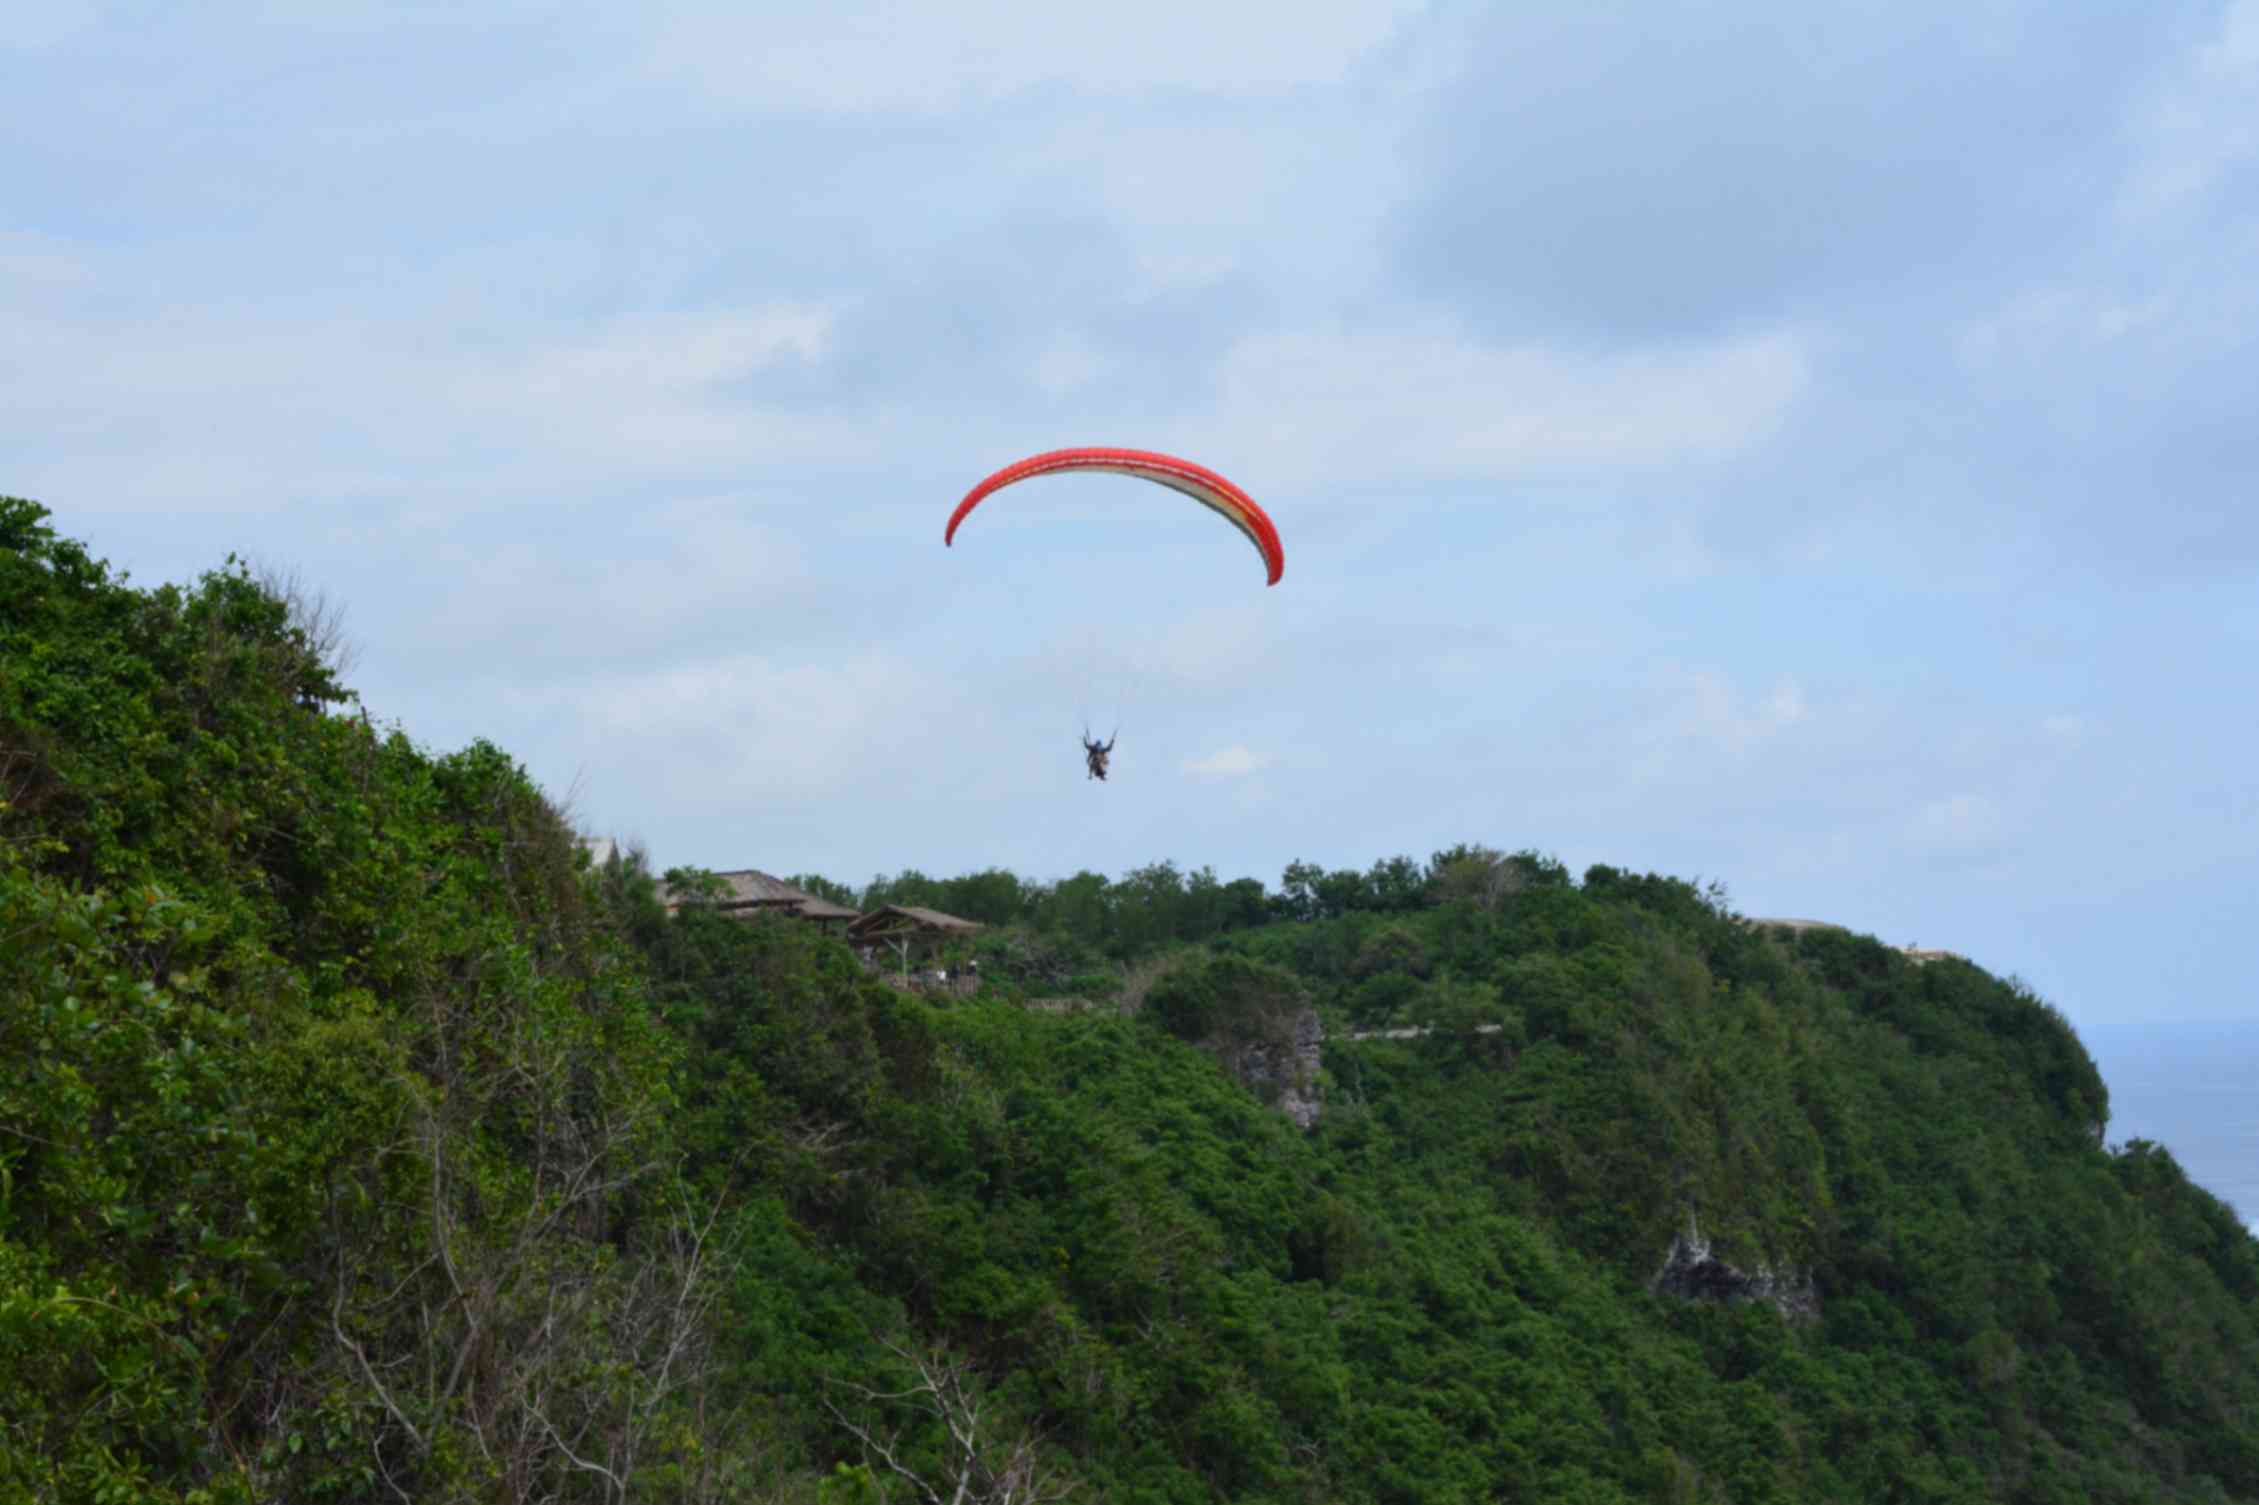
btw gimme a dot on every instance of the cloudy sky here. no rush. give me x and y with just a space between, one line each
1808 449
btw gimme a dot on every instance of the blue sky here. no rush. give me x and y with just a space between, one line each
1807 449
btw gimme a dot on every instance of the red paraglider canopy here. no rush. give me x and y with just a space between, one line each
1196 481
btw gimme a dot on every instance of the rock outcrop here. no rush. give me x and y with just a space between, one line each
1280 1065
1692 1273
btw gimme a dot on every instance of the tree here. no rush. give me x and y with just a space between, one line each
977 1459
1397 883
1147 905
1475 875
1298 891
1080 907
1343 891
992 896
1243 904
824 888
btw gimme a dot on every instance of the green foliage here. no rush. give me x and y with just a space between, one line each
1227 997
334 1147
363 1139
1148 909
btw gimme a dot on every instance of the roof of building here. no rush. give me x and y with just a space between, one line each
1916 953
749 888
824 909
894 917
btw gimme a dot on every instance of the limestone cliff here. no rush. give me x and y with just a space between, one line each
1692 1272
1279 1063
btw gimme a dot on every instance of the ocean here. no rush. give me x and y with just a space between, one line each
2193 1087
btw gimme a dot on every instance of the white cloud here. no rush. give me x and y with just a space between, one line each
34 267
1703 711
2202 119
1957 825
1196 199
878 56
1067 365
656 389
47 24
227 407
1168 268
1215 649
1234 762
1115 668
742 730
1394 405
670 575
683 351
2046 322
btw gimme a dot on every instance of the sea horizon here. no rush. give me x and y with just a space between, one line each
2192 1086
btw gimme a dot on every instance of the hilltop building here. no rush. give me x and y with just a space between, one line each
909 930
1917 955
750 892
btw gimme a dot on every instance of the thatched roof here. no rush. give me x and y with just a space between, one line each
1795 925
749 889
824 909
898 919
1917 954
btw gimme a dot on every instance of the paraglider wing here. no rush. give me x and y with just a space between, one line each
1196 481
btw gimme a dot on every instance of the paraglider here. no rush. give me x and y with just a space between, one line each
1096 753
1196 481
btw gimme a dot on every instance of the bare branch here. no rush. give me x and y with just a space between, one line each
320 619
368 1370
980 1468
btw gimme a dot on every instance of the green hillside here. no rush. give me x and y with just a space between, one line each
362 1139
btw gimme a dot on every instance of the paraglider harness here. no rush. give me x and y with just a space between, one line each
1096 754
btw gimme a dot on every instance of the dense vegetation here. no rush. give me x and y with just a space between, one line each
360 1140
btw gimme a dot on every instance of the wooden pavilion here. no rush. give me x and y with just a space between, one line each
908 931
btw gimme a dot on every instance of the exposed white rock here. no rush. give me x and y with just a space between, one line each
1281 1070
1692 1273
